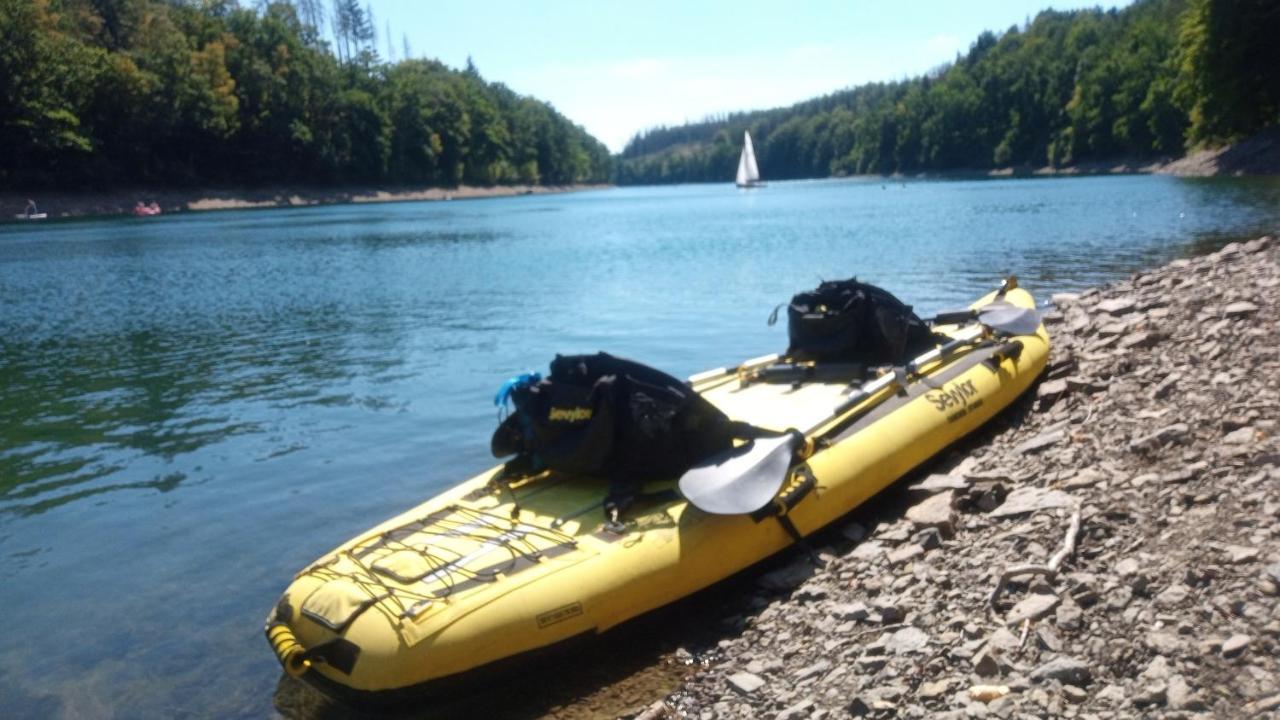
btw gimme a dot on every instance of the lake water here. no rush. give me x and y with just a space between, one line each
193 407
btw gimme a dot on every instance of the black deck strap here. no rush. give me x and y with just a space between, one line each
1006 285
784 502
615 505
1011 350
773 316
512 471
901 379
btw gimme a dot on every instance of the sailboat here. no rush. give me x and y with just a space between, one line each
748 172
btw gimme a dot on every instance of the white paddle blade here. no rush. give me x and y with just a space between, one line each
1008 318
742 480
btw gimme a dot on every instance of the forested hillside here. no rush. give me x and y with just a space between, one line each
97 93
1070 87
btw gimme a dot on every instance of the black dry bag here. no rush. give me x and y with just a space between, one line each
602 416
854 322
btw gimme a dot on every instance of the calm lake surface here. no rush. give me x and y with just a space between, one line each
193 407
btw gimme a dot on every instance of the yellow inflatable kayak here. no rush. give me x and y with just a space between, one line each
490 573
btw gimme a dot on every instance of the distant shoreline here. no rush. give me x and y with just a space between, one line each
63 204
1255 156
1258 155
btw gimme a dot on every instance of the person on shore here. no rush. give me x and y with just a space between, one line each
31 208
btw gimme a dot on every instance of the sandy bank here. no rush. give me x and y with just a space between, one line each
86 204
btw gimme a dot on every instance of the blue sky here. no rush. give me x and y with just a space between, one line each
617 68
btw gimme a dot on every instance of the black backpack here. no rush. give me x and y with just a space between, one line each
854 322
602 416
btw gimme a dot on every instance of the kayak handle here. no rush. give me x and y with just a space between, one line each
288 650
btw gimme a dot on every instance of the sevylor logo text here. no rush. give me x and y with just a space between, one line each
569 414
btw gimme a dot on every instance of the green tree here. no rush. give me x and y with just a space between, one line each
1229 55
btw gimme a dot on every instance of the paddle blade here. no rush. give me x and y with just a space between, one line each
741 480
1008 318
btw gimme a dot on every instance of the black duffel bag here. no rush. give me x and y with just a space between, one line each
854 322
602 416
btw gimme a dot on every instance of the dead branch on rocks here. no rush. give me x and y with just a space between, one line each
1049 570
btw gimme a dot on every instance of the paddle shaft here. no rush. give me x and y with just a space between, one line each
911 368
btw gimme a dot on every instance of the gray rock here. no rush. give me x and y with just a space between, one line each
1240 553
1179 696
1235 645
1072 671
1239 309
1074 694
1002 640
1083 479
936 511
937 483
1116 306
1085 385
1151 693
985 664
906 553
1032 607
856 611
1069 616
814 670
1263 705
907 640
1147 339
1240 436
869 550
799 711
1157 669
1112 329
928 539
1050 389
887 612
1172 596
1127 567
872 663
1170 434
745 682
1049 638
1039 442
1164 642
1031 499
935 688
1112 695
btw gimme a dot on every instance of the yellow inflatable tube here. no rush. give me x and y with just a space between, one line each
490 573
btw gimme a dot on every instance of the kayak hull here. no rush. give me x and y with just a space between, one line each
483 577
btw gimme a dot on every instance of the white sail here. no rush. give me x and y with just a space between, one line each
748 172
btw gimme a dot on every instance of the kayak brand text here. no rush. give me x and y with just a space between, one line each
955 396
569 414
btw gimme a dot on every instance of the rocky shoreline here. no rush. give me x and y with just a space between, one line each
1129 512
121 202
